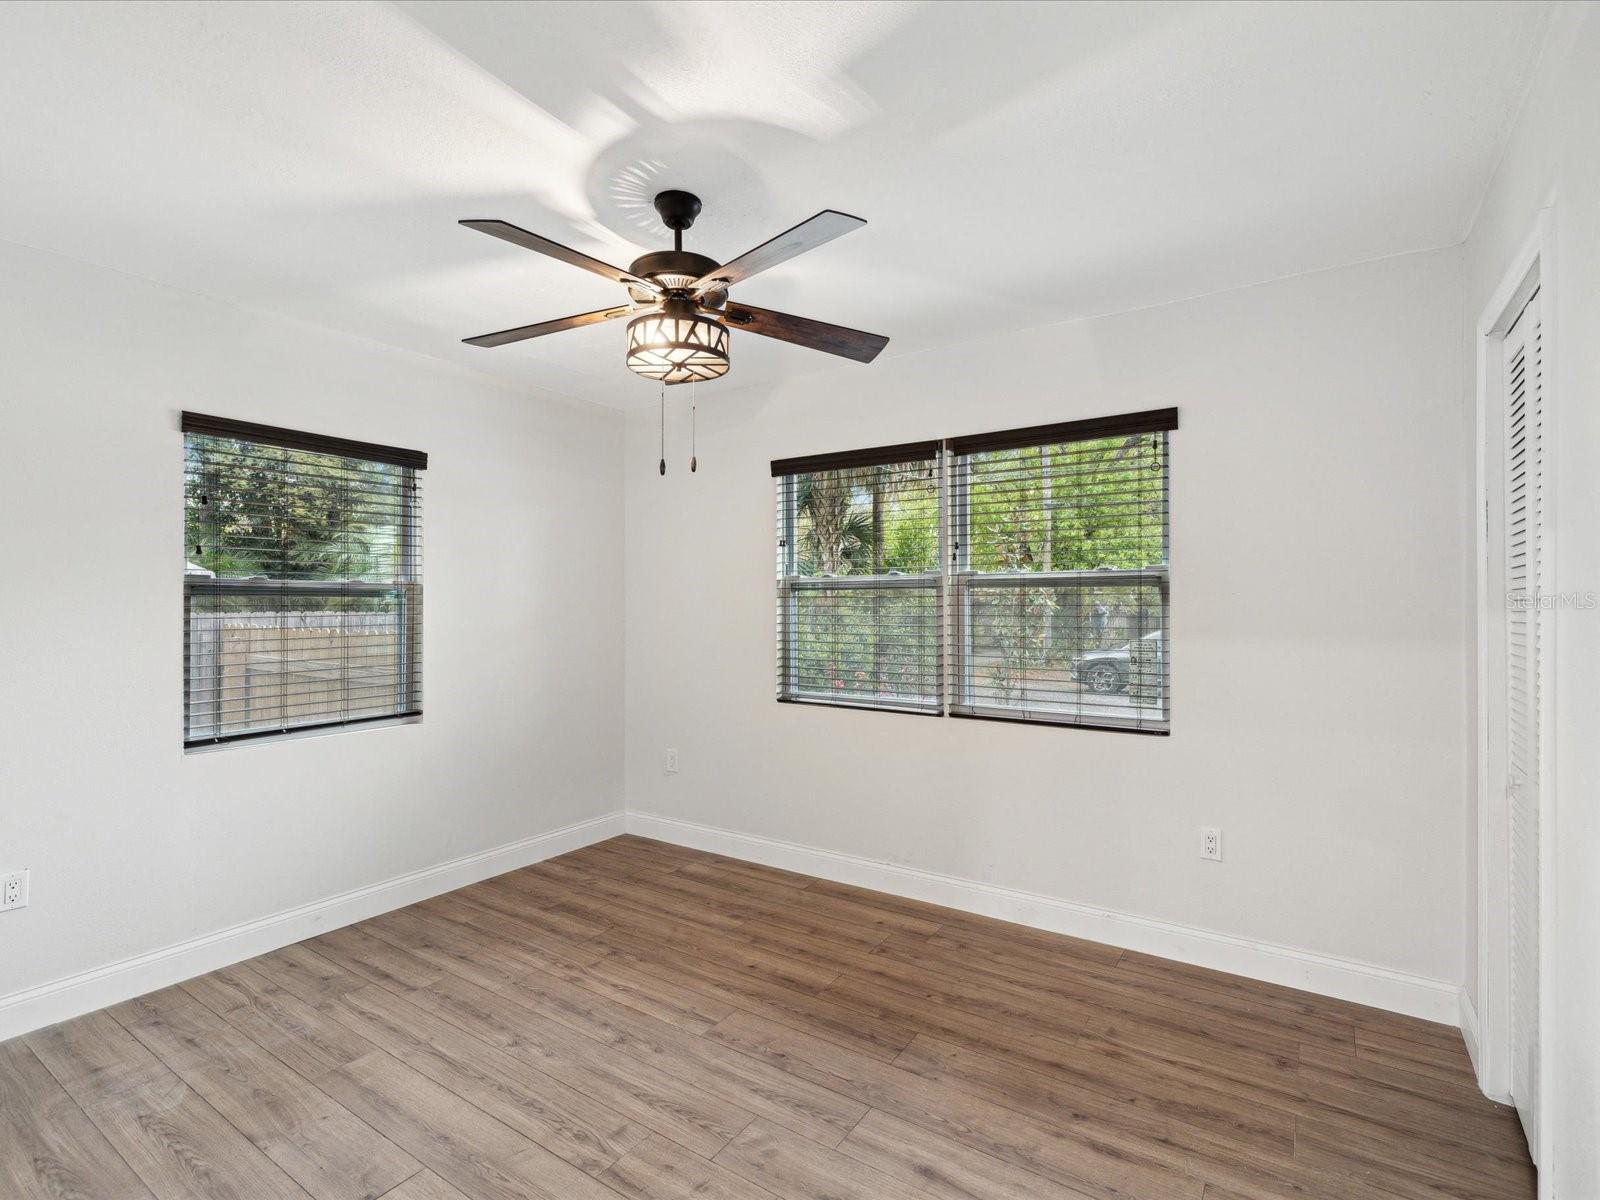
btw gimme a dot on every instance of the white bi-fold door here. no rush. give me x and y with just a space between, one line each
1523 473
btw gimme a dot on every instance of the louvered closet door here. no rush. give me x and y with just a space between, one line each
1524 518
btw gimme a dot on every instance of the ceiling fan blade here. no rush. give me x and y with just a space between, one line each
802 331
523 332
807 235
518 236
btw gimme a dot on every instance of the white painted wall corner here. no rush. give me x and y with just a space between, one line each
1472 1035
1467 1018
87 991
1345 979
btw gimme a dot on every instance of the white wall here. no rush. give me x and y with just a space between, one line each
135 846
1317 710
1554 159
1318 537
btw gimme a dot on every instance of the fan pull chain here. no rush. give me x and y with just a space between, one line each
694 422
663 429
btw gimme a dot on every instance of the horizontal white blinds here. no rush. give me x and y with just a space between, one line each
859 590
1016 575
302 582
1059 587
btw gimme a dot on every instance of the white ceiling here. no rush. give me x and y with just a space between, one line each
1018 164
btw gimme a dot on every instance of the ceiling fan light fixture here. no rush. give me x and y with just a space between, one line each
679 311
679 344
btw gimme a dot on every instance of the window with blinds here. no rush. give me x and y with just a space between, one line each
1017 575
859 588
302 582
1059 573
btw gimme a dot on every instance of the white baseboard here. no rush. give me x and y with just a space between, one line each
1467 1017
87 991
1472 1034
1346 979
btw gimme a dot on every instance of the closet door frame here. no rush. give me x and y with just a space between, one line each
1487 1025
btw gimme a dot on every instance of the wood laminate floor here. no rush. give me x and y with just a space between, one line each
640 1020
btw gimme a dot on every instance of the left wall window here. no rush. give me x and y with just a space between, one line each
302 581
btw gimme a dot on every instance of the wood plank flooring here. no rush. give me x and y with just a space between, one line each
640 1020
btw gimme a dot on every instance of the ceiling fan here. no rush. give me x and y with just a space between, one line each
679 305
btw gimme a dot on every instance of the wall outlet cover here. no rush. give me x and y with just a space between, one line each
14 890
1211 843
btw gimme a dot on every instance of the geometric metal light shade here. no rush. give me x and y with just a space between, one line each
678 344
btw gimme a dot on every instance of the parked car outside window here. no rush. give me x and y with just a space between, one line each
1107 671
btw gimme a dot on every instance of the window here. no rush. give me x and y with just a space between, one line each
859 587
302 582
1059 575
1019 575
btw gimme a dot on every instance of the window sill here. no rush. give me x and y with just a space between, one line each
860 705
276 736
1102 726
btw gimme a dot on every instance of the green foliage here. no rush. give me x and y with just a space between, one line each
1079 506
1020 623
868 521
1073 507
867 642
876 520
290 514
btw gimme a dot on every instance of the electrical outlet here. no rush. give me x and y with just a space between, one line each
672 762
1211 842
14 890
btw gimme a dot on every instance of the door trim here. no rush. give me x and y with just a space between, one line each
1530 270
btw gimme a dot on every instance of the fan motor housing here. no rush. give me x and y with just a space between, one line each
675 270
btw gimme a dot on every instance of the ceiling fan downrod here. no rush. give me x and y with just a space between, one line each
677 211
